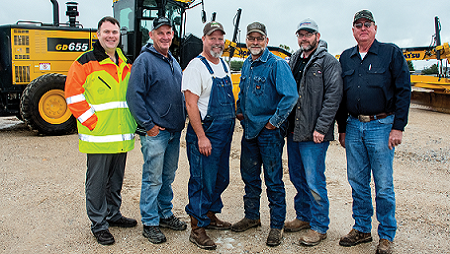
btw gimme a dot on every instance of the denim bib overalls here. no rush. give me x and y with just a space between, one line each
209 176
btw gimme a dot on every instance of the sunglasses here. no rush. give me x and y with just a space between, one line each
366 24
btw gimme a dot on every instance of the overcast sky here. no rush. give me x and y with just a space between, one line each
407 23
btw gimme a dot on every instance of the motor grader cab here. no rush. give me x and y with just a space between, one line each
432 91
136 16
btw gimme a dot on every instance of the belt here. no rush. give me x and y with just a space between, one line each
368 118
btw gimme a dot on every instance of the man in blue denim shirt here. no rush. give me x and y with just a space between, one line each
371 119
268 93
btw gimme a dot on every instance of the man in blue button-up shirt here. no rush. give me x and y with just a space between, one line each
268 92
371 119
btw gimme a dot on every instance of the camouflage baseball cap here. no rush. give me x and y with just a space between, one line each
363 14
256 27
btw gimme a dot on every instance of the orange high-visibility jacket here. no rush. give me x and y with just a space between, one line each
95 93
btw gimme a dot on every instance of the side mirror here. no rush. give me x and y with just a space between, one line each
203 16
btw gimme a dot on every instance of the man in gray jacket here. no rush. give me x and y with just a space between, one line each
311 128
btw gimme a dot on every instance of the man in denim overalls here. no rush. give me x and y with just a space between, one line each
210 105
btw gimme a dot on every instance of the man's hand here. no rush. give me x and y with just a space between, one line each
269 126
395 138
204 146
317 137
240 117
342 139
153 132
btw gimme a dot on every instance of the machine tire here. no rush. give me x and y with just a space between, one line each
43 106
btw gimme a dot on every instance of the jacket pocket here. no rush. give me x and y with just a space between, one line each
376 77
259 84
165 112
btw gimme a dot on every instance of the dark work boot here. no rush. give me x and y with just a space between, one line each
199 237
216 223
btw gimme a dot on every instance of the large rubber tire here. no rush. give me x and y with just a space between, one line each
43 106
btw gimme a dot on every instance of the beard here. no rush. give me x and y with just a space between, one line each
216 54
256 50
309 46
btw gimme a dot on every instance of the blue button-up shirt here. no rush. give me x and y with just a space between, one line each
379 83
268 92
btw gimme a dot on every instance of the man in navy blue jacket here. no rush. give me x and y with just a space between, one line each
371 120
156 102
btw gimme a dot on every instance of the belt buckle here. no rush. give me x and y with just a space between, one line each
363 118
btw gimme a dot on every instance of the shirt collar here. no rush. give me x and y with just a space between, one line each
374 48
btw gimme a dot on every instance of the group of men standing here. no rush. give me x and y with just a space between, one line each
367 93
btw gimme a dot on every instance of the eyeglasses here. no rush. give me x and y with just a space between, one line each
259 39
366 24
307 35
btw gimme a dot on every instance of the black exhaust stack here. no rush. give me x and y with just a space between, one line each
72 12
55 12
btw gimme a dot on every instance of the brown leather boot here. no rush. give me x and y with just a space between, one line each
199 237
216 223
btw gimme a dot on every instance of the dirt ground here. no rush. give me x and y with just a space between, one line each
43 202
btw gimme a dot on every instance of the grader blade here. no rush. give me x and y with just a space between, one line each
434 101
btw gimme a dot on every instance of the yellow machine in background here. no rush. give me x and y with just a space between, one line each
431 91
35 57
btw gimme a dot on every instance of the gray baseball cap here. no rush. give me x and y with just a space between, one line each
309 25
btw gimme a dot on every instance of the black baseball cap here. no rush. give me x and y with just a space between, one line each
161 21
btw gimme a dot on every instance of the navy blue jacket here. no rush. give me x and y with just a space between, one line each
378 84
154 91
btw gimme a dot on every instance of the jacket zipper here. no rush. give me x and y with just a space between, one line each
104 82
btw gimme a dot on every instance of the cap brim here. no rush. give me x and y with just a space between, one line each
256 31
215 29
160 25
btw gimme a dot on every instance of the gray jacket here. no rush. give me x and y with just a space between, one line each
320 93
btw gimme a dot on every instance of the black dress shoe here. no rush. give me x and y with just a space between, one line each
123 222
104 237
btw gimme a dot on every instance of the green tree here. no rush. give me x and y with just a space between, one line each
286 47
431 70
236 65
410 66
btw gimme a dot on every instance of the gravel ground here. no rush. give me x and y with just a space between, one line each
43 207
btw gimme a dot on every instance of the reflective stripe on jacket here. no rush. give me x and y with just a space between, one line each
96 95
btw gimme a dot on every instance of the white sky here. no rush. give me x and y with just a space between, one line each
407 23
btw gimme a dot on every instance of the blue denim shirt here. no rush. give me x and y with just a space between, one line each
268 92
379 83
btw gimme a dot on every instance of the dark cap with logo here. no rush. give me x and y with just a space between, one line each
256 27
211 27
161 21
363 14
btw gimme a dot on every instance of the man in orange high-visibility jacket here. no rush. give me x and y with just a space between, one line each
95 92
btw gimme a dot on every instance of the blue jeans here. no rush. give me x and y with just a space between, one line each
266 150
209 175
368 152
306 162
160 163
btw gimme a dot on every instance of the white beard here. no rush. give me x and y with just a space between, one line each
256 51
216 54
